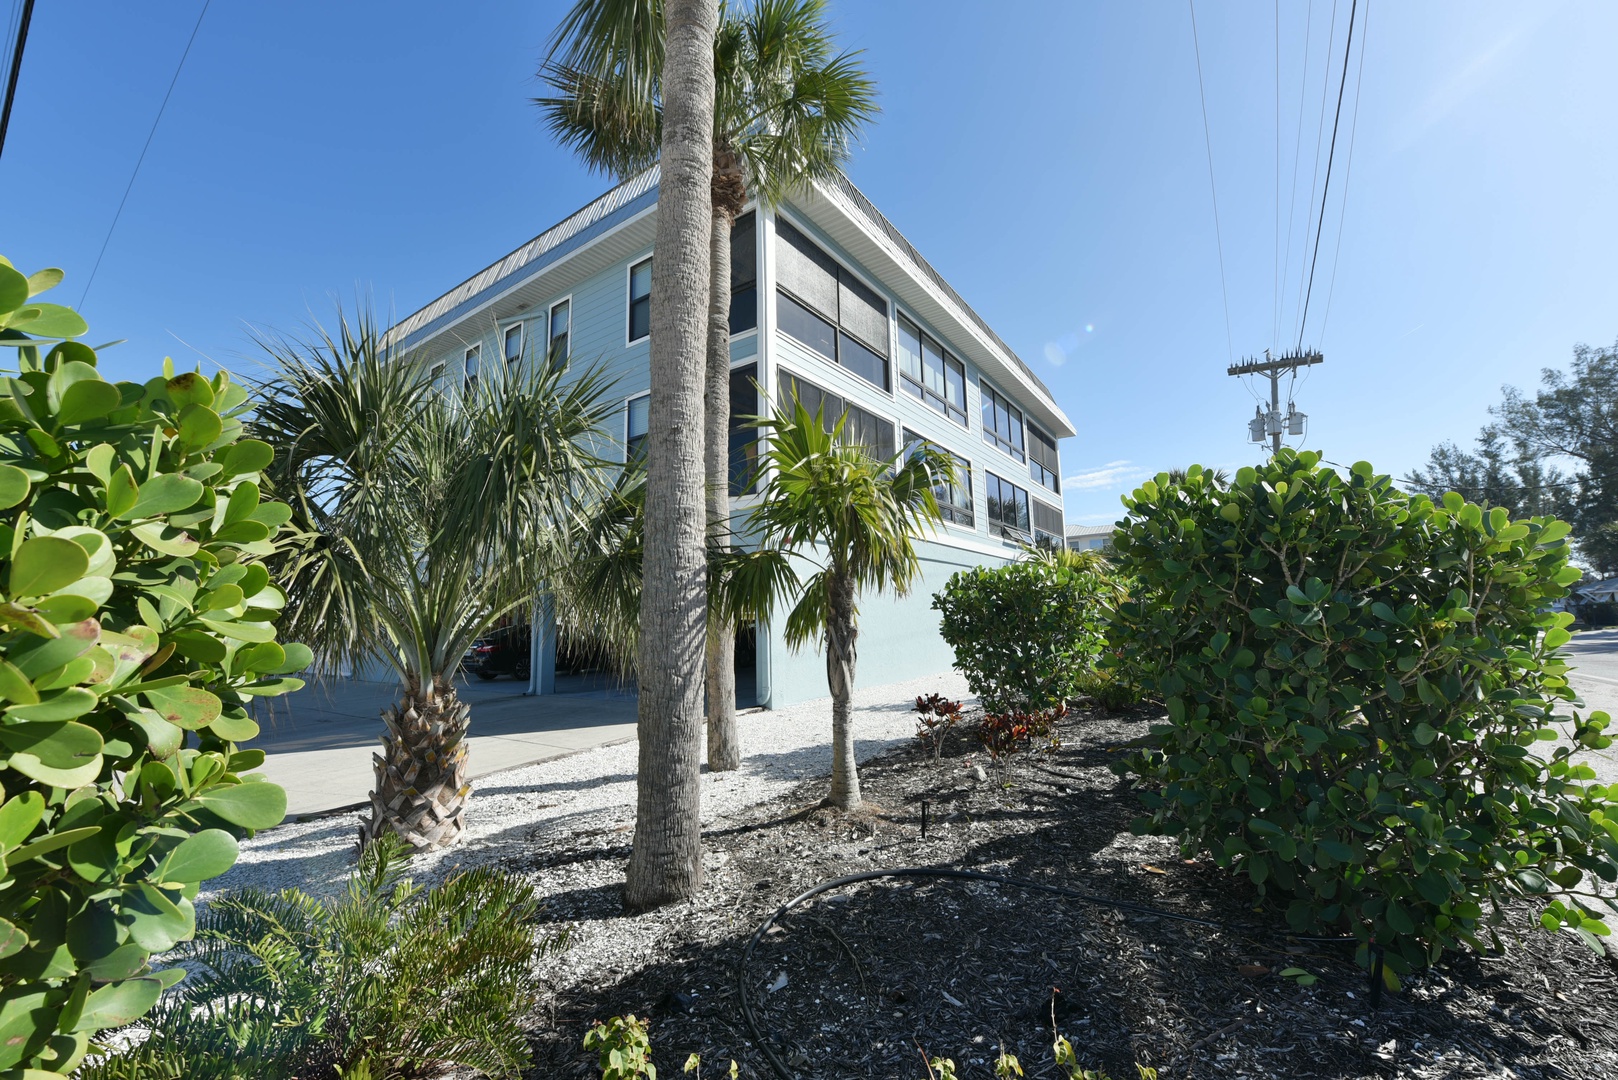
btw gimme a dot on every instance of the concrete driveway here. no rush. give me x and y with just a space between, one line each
320 739
1594 655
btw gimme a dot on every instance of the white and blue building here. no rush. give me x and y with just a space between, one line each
830 302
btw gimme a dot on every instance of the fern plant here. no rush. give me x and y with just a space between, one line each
387 981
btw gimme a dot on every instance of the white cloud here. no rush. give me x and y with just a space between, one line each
1113 474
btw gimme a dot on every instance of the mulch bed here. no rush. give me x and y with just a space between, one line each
862 981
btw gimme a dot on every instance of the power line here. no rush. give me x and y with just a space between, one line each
1348 172
1326 187
1275 288
1320 135
147 146
1207 137
1297 149
16 69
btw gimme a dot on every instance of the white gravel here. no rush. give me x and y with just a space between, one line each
553 803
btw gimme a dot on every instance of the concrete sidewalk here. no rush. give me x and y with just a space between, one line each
319 740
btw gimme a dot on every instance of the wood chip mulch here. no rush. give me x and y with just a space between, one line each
862 981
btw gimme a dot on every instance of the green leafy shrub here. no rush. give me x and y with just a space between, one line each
1112 688
623 1047
1356 682
134 627
387 980
1024 633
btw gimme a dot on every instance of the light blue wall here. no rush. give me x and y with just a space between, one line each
898 638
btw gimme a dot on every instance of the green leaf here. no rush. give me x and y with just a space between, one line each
68 704
60 745
44 564
235 728
198 426
156 922
43 281
19 816
87 400
248 456
165 493
162 737
51 321
14 486
197 858
125 961
12 940
188 707
15 686
13 291
169 541
252 805
191 388
50 842
121 1003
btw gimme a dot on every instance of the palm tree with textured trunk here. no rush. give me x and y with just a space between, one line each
857 515
787 107
423 516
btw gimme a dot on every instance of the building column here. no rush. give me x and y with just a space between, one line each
542 647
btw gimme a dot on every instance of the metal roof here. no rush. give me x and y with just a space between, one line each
628 192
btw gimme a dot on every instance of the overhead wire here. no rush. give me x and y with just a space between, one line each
15 68
1207 136
1320 136
1297 149
1348 48
1348 170
142 158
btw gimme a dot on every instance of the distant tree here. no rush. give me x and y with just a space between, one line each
1555 452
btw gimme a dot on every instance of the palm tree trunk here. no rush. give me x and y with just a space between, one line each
421 788
728 193
840 656
666 862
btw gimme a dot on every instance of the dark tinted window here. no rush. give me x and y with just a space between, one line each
1042 460
795 319
640 300
743 275
1008 509
860 427
744 405
815 288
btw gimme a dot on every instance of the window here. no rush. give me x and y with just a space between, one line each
1047 522
930 374
435 375
474 357
743 434
830 310
513 343
1042 460
954 500
1008 510
560 327
635 428
743 275
1002 423
860 428
640 300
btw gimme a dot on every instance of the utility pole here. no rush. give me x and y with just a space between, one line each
1271 424
15 70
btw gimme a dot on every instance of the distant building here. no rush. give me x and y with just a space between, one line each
1089 537
830 305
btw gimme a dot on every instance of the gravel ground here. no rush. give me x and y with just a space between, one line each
523 812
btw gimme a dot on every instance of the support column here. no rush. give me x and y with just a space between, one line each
542 647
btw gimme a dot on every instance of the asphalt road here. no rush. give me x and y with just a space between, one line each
1594 655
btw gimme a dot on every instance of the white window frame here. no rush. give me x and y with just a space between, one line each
522 339
989 435
629 278
549 314
636 397
893 340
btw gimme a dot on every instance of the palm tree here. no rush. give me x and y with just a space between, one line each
827 499
665 862
787 107
423 517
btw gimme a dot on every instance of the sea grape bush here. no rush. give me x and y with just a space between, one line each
134 628
1360 685
1024 633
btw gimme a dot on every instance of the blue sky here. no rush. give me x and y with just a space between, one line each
1048 159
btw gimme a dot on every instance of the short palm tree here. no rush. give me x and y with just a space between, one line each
857 515
424 516
787 108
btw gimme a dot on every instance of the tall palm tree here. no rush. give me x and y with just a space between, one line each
424 516
665 863
858 515
787 107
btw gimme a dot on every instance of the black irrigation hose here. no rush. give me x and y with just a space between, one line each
779 1067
